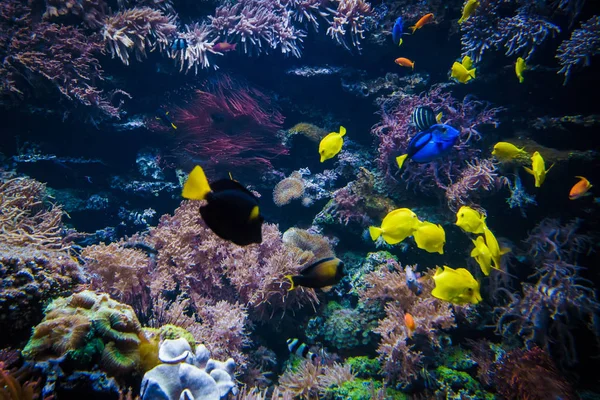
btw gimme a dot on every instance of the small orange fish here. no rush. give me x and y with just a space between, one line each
580 188
425 19
224 47
410 323
405 62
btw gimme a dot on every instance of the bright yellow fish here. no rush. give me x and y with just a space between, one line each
481 253
506 152
396 226
470 220
494 247
520 66
468 10
456 286
332 144
430 237
538 168
467 62
461 74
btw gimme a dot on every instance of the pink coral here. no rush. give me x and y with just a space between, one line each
387 284
478 177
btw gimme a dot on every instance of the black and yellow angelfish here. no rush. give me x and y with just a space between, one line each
231 212
322 273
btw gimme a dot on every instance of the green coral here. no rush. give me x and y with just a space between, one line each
364 367
459 384
87 328
175 332
458 358
362 389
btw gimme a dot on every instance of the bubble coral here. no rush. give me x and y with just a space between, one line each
288 189
87 326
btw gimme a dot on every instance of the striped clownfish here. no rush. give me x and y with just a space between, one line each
300 349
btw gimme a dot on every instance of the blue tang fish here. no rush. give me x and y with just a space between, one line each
397 31
430 144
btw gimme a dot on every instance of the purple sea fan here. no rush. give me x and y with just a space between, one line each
135 30
350 15
578 50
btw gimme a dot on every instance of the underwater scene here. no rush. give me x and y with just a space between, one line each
299 199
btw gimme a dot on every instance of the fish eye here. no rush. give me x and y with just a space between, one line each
462 215
469 290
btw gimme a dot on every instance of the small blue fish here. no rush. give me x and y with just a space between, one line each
412 281
430 144
179 44
397 31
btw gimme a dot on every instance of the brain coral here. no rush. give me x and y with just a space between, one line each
87 328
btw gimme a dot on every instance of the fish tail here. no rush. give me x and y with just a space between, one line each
413 65
173 125
521 79
414 28
400 160
342 131
291 279
461 20
375 232
505 250
400 42
472 72
234 46
196 186
529 171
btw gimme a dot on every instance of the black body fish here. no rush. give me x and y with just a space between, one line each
179 44
423 117
164 116
322 273
231 211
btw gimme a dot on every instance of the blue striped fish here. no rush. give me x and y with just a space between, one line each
179 44
423 117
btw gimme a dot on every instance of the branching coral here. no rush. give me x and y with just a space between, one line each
546 312
199 44
387 284
583 44
92 12
478 177
519 34
394 133
349 16
136 30
45 53
258 26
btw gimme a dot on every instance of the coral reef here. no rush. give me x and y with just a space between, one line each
288 189
86 328
578 50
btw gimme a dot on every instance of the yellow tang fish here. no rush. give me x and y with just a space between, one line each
456 286
520 66
332 144
538 168
470 220
494 247
506 152
481 253
430 237
460 73
396 226
468 10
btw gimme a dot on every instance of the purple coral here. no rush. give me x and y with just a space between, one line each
350 16
578 50
478 177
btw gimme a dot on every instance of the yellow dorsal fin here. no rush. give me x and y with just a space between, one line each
254 214
342 131
196 187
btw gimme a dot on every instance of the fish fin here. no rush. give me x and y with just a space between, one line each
173 125
400 42
400 160
167 113
291 279
474 252
504 250
580 177
234 46
254 214
461 20
529 171
413 65
342 131
414 28
158 118
375 232
472 73
196 186
548 170
521 79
